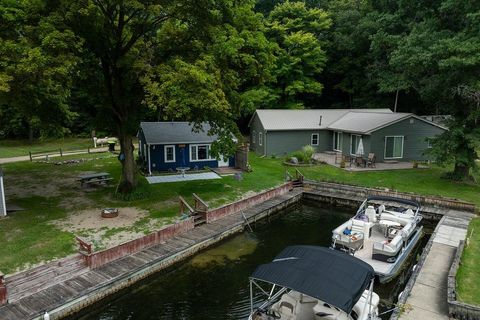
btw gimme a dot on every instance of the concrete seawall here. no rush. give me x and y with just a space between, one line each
110 276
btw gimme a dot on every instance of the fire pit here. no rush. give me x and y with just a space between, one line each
109 213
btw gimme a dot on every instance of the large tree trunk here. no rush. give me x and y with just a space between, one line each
128 180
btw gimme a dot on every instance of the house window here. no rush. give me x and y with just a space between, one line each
260 138
253 137
314 141
354 143
200 152
337 141
169 154
429 143
394 147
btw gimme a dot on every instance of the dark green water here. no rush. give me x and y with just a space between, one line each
214 284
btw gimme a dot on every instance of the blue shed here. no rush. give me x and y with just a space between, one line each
169 145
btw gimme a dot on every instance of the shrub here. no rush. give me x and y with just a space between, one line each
308 152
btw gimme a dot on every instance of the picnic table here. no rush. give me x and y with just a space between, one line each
94 178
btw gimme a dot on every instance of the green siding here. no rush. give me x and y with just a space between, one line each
414 143
347 138
281 143
256 126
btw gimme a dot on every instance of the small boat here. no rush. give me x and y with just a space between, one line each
382 233
314 283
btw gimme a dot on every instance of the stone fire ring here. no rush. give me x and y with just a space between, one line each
109 213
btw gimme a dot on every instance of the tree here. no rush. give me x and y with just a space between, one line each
38 59
439 57
299 34
185 59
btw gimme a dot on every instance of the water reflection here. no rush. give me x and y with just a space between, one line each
214 284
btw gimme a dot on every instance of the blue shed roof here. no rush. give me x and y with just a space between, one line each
174 132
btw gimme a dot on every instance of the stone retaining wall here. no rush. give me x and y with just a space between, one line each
97 259
457 309
363 192
243 204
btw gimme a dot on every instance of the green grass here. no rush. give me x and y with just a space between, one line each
15 148
468 286
422 181
30 237
50 193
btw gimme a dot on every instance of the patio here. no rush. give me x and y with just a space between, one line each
180 177
334 159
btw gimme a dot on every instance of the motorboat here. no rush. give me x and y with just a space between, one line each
313 283
382 233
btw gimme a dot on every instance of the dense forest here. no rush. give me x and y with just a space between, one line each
68 67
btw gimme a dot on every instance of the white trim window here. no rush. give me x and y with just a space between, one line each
393 147
200 152
354 143
169 153
337 140
260 138
314 139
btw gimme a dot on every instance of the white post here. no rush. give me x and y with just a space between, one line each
3 206
149 165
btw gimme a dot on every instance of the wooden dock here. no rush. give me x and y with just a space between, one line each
74 286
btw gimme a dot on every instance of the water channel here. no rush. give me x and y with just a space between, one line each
214 283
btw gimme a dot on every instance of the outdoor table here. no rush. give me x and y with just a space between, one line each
182 170
94 177
359 161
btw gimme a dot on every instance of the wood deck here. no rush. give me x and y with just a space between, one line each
68 287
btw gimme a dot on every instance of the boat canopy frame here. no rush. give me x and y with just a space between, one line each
325 274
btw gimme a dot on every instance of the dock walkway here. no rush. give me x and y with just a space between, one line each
428 296
85 287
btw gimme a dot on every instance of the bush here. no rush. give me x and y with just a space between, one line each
308 152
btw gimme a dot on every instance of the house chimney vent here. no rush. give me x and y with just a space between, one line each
320 122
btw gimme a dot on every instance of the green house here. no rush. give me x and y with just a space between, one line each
390 136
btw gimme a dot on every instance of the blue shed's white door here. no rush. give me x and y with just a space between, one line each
223 162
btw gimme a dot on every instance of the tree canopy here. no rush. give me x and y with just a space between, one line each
72 66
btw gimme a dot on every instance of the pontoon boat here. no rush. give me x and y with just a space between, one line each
382 233
314 283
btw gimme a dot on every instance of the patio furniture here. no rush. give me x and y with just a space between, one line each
94 178
348 159
182 170
359 161
371 160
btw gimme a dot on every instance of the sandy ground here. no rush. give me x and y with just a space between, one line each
108 232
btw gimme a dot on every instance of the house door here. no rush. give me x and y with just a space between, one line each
223 162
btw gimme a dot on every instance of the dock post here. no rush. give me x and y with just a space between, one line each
3 290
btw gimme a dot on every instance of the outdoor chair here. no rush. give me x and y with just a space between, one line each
348 159
371 160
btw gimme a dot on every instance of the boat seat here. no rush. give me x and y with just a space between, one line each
392 217
371 214
388 249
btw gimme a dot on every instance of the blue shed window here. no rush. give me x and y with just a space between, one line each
169 153
200 152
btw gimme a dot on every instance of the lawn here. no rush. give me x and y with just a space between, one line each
15 148
54 202
468 286
422 181
56 206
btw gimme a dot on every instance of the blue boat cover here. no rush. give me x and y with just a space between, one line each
328 275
